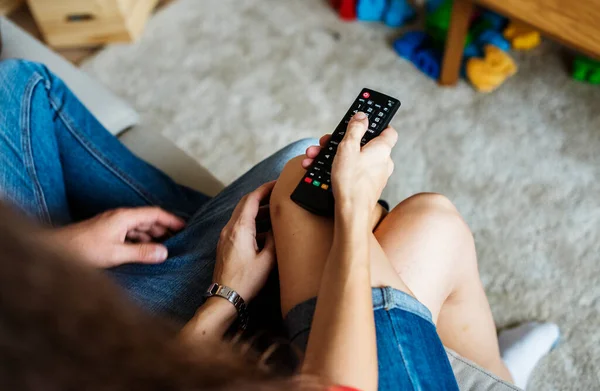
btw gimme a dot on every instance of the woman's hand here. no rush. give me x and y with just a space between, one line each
359 175
118 236
241 264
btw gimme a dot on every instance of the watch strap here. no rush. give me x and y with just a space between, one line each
225 292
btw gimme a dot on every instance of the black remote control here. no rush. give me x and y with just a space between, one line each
314 193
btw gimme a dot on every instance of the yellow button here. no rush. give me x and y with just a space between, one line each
324 186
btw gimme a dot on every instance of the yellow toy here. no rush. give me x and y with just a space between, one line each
521 36
488 73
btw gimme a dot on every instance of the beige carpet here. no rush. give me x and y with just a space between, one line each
231 81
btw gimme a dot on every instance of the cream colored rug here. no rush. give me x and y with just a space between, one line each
231 81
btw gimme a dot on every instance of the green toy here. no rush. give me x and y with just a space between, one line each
587 70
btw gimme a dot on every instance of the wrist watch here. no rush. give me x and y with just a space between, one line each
215 289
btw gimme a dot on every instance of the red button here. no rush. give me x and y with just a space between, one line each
307 180
366 95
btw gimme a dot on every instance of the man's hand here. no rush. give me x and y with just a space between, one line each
118 236
241 264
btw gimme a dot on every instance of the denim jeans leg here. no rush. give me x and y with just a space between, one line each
59 164
176 287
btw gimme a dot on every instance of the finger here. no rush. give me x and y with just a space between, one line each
356 128
307 163
247 209
389 136
157 231
267 254
313 151
138 237
150 215
324 139
142 253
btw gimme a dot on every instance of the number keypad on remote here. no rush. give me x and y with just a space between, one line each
319 175
314 192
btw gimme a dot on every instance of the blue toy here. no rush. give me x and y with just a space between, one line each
472 50
407 45
429 61
398 13
495 38
432 5
416 47
497 21
371 10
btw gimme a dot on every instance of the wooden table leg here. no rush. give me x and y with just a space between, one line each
462 11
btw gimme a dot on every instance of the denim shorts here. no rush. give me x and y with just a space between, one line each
410 353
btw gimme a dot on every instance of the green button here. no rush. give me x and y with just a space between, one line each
317 183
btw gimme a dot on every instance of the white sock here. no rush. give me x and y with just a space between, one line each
524 346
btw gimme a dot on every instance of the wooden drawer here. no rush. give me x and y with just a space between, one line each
76 23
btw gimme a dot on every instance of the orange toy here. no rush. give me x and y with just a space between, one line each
488 73
521 36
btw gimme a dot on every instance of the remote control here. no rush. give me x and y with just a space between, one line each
314 192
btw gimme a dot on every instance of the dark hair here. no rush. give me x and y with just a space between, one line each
66 327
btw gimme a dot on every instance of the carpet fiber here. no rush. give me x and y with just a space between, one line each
231 81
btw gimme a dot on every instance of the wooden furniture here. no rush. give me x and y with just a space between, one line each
77 23
7 6
575 23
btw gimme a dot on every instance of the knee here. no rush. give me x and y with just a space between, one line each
16 73
15 78
437 215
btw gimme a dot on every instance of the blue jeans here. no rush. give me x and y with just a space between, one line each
59 165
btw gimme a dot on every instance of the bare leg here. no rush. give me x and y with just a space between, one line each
433 251
303 241
422 247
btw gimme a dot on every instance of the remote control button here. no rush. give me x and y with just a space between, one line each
369 102
370 110
378 105
316 183
380 114
311 174
377 119
374 124
315 168
366 95
308 180
386 109
324 186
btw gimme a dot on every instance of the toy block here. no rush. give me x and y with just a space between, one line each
407 45
433 5
472 50
371 10
416 47
348 9
587 70
488 73
429 61
440 18
399 13
521 36
495 38
75 23
496 21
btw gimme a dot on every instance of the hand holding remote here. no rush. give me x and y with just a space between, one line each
358 174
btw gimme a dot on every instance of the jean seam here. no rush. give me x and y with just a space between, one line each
389 315
483 372
28 159
94 152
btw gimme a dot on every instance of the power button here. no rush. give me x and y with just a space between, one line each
366 95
